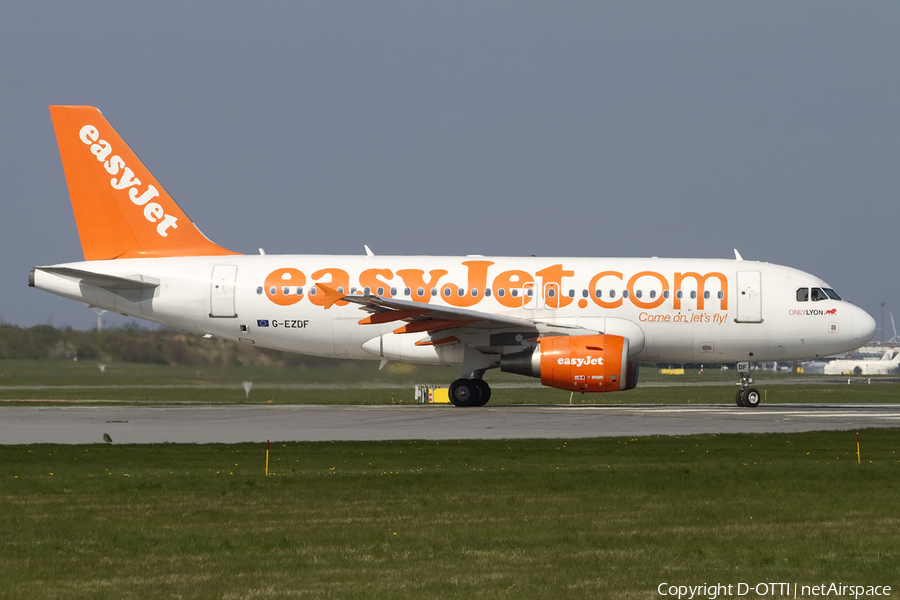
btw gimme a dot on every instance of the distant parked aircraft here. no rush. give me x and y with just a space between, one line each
887 364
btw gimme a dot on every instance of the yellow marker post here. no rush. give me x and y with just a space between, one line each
857 447
267 458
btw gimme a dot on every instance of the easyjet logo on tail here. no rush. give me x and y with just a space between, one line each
115 165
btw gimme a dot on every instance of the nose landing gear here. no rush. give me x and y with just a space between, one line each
746 397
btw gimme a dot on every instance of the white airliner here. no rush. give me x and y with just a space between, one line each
889 364
579 324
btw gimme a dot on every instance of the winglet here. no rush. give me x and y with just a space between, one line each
120 209
332 296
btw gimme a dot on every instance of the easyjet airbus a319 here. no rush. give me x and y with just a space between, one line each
579 324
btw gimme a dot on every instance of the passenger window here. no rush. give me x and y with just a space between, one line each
571 293
720 295
299 291
598 293
625 294
693 295
447 292
366 290
474 292
551 293
380 291
706 295
803 295
637 293
666 294
584 293
407 291
514 292
420 292
652 294
501 292
434 291
259 290
612 293
461 292
487 292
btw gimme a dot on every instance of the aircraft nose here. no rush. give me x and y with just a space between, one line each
863 326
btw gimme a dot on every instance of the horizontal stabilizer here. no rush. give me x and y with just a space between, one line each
111 283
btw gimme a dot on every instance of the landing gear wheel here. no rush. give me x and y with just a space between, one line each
748 397
751 398
469 392
484 391
464 392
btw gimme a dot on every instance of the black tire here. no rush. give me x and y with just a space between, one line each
752 398
484 391
739 399
464 392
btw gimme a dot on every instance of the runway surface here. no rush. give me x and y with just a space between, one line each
231 424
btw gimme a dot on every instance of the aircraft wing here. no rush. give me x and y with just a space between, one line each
422 317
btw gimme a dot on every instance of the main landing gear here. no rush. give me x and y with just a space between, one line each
746 397
469 392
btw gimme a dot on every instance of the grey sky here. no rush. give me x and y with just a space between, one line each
583 129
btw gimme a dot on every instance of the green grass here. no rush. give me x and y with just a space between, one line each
360 382
605 518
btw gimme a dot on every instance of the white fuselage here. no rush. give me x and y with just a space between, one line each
671 310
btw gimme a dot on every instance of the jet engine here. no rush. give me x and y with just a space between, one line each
580 363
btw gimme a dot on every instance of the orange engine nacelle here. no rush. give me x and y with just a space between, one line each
581 363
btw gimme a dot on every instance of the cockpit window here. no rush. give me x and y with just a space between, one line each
818 294
803 295
832 294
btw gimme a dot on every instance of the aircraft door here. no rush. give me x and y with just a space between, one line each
221 292
551 295
749 297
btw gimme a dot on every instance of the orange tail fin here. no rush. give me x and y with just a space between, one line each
120 209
